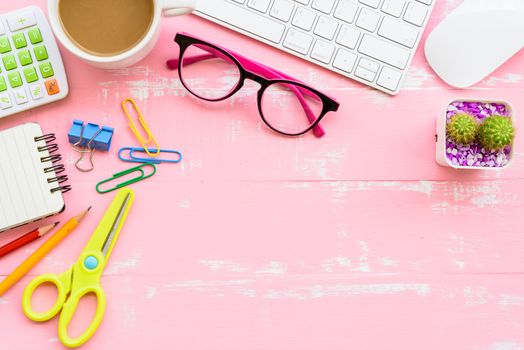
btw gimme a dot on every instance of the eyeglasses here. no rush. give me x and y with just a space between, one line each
213 73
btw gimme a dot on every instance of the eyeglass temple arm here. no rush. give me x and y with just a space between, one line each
259 68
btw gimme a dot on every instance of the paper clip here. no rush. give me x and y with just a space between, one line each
149 134
134 159
139 169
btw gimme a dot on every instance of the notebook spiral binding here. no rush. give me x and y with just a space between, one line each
53 157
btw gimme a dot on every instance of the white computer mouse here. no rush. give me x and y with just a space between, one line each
476 39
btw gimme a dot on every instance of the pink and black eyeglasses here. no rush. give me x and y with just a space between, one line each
285 104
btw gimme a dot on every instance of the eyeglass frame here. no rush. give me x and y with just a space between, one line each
255 71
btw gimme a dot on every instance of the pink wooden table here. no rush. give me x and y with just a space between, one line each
256 241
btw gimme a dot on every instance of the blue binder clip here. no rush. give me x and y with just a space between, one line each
90 135
86 139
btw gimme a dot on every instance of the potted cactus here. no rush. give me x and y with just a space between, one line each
475 135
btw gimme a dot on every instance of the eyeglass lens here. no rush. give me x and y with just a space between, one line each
208 73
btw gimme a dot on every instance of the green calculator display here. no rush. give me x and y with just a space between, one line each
31 69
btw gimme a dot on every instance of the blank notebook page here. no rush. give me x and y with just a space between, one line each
25 193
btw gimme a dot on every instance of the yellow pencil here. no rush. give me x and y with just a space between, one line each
41 252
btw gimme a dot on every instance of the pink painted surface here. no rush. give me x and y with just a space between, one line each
354 241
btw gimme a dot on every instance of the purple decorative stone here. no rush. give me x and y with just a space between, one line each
475 154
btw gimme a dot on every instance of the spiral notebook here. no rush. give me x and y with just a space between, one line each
31 178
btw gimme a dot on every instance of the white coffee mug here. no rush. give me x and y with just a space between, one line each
166 8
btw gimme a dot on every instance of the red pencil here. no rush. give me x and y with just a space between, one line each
26 239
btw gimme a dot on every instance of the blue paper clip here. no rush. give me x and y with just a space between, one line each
132 158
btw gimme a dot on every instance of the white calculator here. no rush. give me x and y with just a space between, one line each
31 69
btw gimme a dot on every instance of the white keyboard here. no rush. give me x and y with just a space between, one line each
371 41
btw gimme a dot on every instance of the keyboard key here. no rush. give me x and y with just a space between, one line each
5 46
368 19
249 21
52 87
20 96
365 74
384 51
400 32
427 2
30 74
282 10
24 57
298 41
15 80
304 18
369 65
416 14
21 20
9 62
19 40
348 36
46 70
346 10
3 84
370 3
259 5
2 28
393 7
323 5
322 51
326 27
36 91
389 78
345 60
5 101
40 53
35 36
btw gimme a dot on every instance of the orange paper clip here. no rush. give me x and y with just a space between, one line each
143 141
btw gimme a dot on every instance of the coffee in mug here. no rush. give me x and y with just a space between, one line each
112 33
106 27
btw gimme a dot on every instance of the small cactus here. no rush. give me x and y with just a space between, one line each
463 128
496 132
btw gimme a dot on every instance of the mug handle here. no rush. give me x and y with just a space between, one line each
178 7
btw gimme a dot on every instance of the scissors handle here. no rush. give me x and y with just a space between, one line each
62 289
69 310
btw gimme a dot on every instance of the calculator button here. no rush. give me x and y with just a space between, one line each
19 40
46 70
36 91
40 52
20 96
5 46
52 87
15 80
5 101
35 36
20 20
9 62
30 74
3 84
24 57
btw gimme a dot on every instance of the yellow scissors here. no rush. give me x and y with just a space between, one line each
84 276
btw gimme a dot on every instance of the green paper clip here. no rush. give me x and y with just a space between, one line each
138 169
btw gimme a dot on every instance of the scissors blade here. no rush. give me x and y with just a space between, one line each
115 226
